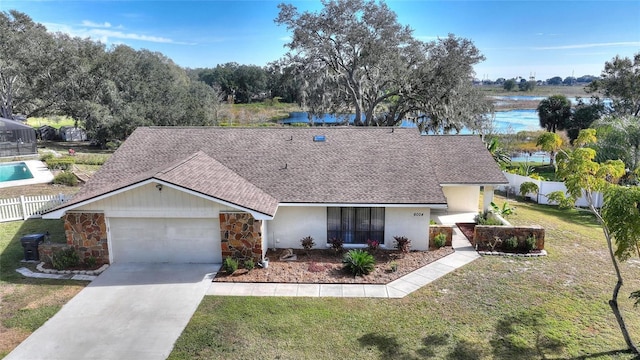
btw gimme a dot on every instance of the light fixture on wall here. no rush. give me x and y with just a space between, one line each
159 187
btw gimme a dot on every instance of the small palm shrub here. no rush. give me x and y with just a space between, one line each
358 262
230 265
249 264
336 244
402 243
307 243
511 243
439 240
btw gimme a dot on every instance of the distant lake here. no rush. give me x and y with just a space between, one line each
504 122
511 121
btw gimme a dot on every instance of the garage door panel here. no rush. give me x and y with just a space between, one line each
165 240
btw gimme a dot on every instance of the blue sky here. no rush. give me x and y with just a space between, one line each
518 38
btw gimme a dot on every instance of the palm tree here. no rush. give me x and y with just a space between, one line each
550 142
554 112
500 155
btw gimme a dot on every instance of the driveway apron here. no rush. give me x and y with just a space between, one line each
131 311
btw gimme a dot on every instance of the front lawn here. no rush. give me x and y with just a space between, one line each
26 303
500 308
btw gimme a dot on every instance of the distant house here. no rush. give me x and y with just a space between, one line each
16 139
201 194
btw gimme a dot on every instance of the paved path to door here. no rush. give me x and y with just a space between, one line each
131 311
464 254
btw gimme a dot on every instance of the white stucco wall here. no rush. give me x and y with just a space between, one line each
147 201
292 223
412 223
462 197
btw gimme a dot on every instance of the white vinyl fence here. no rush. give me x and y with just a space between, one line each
28 207
545 188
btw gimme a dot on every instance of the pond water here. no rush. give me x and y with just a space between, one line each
511 121
504 122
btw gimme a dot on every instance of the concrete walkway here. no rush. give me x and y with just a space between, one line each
131 311
464 254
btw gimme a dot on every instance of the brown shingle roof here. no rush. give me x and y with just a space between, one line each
257 168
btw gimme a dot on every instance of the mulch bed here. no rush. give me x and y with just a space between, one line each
467 229
324 266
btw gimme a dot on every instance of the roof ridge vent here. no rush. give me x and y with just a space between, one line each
319 138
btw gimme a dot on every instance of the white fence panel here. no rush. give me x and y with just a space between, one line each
26 207
545 188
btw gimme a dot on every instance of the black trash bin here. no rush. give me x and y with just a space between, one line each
30 245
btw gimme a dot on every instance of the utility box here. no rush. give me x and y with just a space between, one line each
30 245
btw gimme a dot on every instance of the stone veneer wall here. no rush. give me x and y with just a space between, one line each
240 236
483 234
87 233
46 250
437 229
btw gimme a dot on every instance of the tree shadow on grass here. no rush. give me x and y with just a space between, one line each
387 345
391 349
525 335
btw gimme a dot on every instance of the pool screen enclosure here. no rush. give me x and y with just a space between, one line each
16 138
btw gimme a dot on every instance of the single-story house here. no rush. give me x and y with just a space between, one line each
200 194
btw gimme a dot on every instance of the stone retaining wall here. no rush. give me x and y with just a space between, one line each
241 236
483 234
437 229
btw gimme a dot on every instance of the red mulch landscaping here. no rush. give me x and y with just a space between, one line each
467 229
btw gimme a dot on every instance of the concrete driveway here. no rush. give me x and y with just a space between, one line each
131 311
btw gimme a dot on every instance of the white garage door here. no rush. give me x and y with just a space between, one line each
150 240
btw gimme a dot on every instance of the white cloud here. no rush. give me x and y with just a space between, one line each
587 46
107 33
92 24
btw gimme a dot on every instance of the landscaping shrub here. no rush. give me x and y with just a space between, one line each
307 243
65 259
402 243
230 265
336 244
486 219
61 163
530 243
47 156
113 145
373 245
91 159
359 262
439 240
90 262
511 243
249 264
393 266
66 178
528 187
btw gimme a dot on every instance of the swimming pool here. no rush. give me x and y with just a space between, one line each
14 171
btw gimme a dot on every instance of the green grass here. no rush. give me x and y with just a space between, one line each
53 121
494 308
27 303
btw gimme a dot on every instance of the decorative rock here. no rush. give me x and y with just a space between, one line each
240 272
